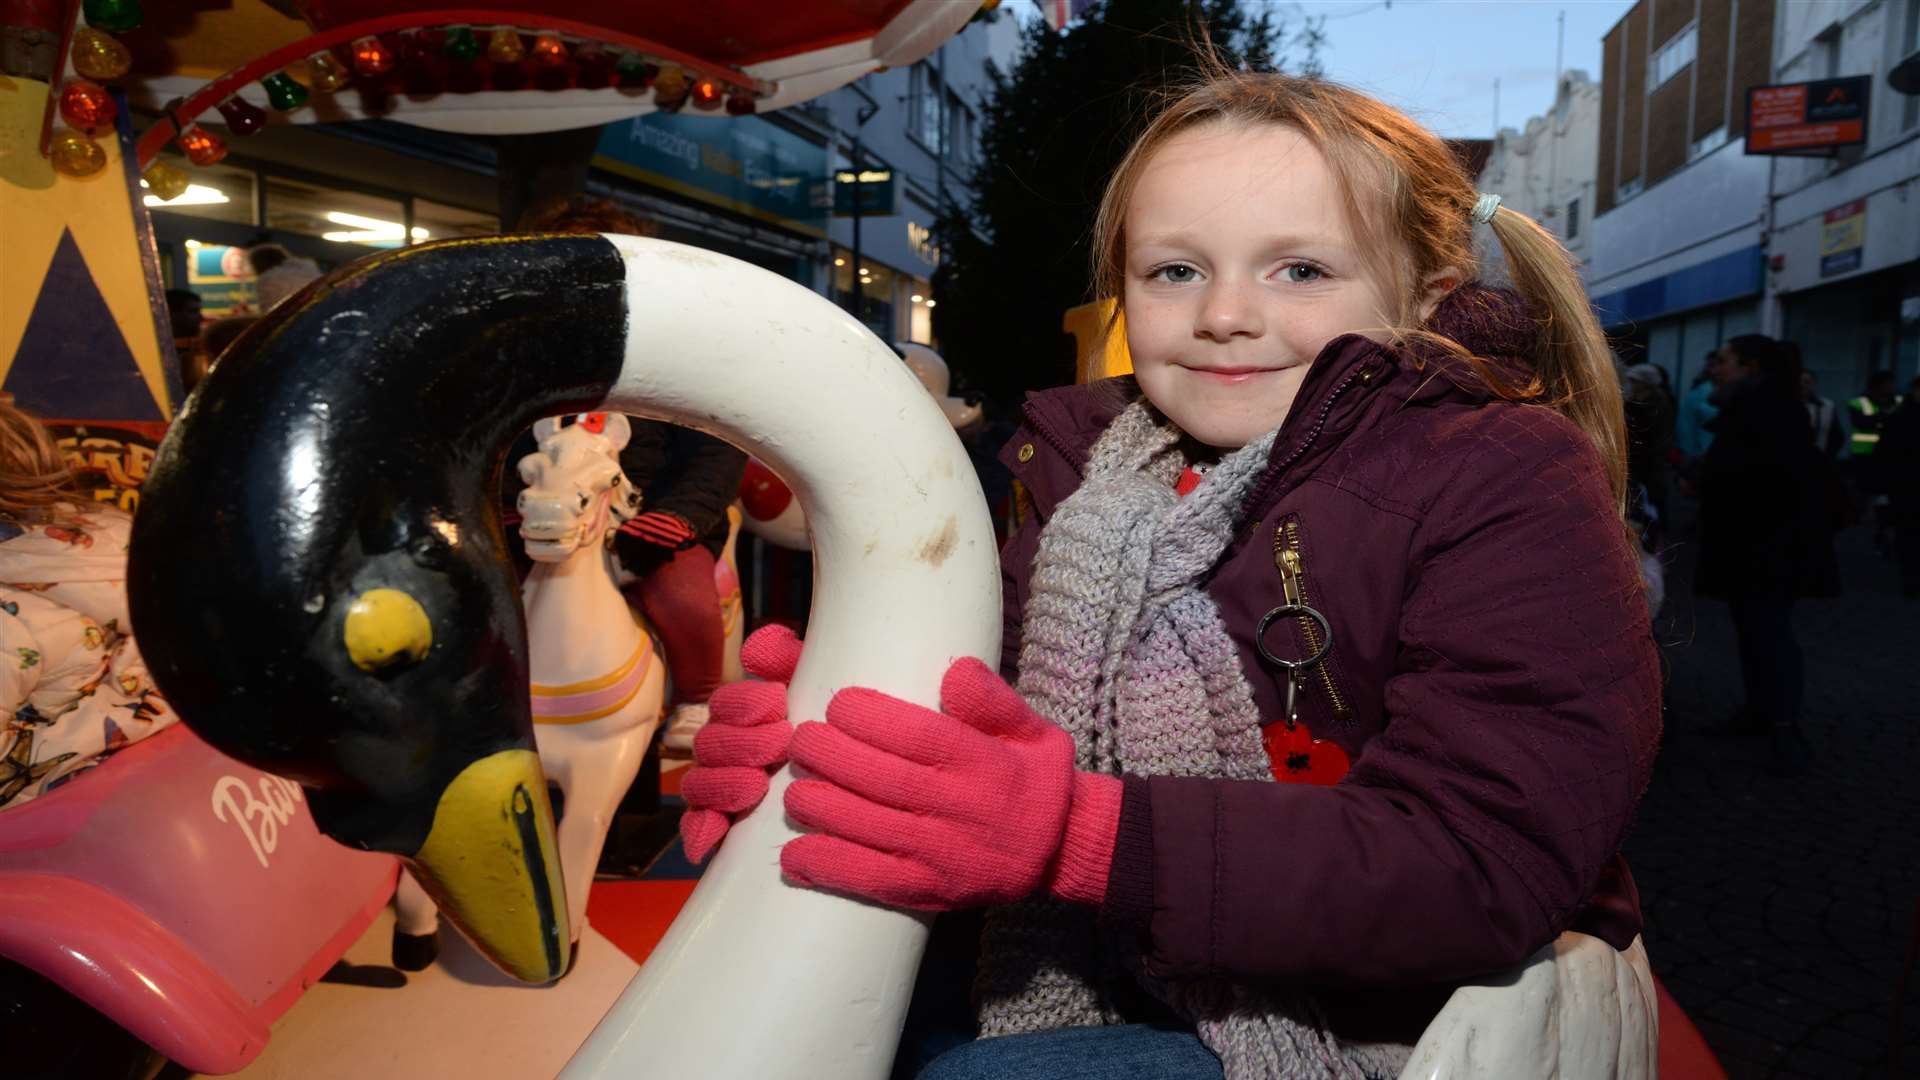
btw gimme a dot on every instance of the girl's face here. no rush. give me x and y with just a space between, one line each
1240 267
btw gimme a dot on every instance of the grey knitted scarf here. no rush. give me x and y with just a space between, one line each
1123 648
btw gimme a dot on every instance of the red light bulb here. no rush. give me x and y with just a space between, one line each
201 146
85 105
243 117
372 57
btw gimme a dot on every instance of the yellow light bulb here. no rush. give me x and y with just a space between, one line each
74 154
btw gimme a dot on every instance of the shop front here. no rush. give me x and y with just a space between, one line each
321 196
748 187
1848 282
1675 319
898 256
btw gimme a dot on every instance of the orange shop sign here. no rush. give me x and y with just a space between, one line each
1808 117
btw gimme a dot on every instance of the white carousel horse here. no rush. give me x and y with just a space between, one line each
598 683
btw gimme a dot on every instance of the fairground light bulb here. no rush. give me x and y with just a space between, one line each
74 154
99 56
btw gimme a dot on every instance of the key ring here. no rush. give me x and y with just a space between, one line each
1294 611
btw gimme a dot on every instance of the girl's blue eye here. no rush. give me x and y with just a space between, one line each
1294 273
1176 274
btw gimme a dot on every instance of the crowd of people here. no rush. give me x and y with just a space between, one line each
1774 471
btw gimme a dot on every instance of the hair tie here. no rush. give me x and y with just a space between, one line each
1483 210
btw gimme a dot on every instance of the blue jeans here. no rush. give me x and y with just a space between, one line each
1122 1052
938 1042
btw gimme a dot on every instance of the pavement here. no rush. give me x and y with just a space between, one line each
1781 911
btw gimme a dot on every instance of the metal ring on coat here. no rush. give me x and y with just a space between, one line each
1294 611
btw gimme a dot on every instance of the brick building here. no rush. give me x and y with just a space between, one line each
1676 264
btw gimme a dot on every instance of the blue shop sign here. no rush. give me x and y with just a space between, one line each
741 163
1732 276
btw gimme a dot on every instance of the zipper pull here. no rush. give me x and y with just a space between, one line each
1292 709
1290 574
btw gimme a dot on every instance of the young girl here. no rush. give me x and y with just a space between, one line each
1333 684
73 688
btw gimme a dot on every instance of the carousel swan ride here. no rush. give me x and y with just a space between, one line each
319 576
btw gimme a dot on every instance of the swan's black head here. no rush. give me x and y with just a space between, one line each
318 575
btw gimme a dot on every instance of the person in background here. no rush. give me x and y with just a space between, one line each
74 688
214 340
686 479
1867 413
1766 536
1692 436
1828 420
279 273
184 314
1649 434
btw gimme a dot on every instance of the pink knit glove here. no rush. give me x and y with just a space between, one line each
919 809
744 740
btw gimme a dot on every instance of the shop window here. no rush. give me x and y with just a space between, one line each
223 279
1673 57
440 222
877 292
920 311
337 214
217 192
1628 190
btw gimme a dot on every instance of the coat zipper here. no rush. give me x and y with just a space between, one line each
1365 374
1291 563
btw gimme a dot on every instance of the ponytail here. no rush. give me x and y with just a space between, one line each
1574 366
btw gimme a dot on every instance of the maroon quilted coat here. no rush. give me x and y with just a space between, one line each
1493 677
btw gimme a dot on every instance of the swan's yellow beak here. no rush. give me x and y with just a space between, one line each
491 863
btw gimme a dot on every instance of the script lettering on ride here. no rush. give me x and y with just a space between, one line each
259 816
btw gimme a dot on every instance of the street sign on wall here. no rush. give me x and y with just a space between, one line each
879 192
1797 118
1843 238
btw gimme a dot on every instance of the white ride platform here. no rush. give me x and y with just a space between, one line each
460 1017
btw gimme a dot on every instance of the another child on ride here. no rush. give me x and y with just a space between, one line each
1354 507
73 688
687 480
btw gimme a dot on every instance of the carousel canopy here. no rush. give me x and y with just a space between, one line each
510 68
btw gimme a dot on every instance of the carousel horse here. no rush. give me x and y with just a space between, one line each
597 682
321 574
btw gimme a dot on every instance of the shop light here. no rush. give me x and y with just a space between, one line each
929 303
839 262
916 298
368 230
195 195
